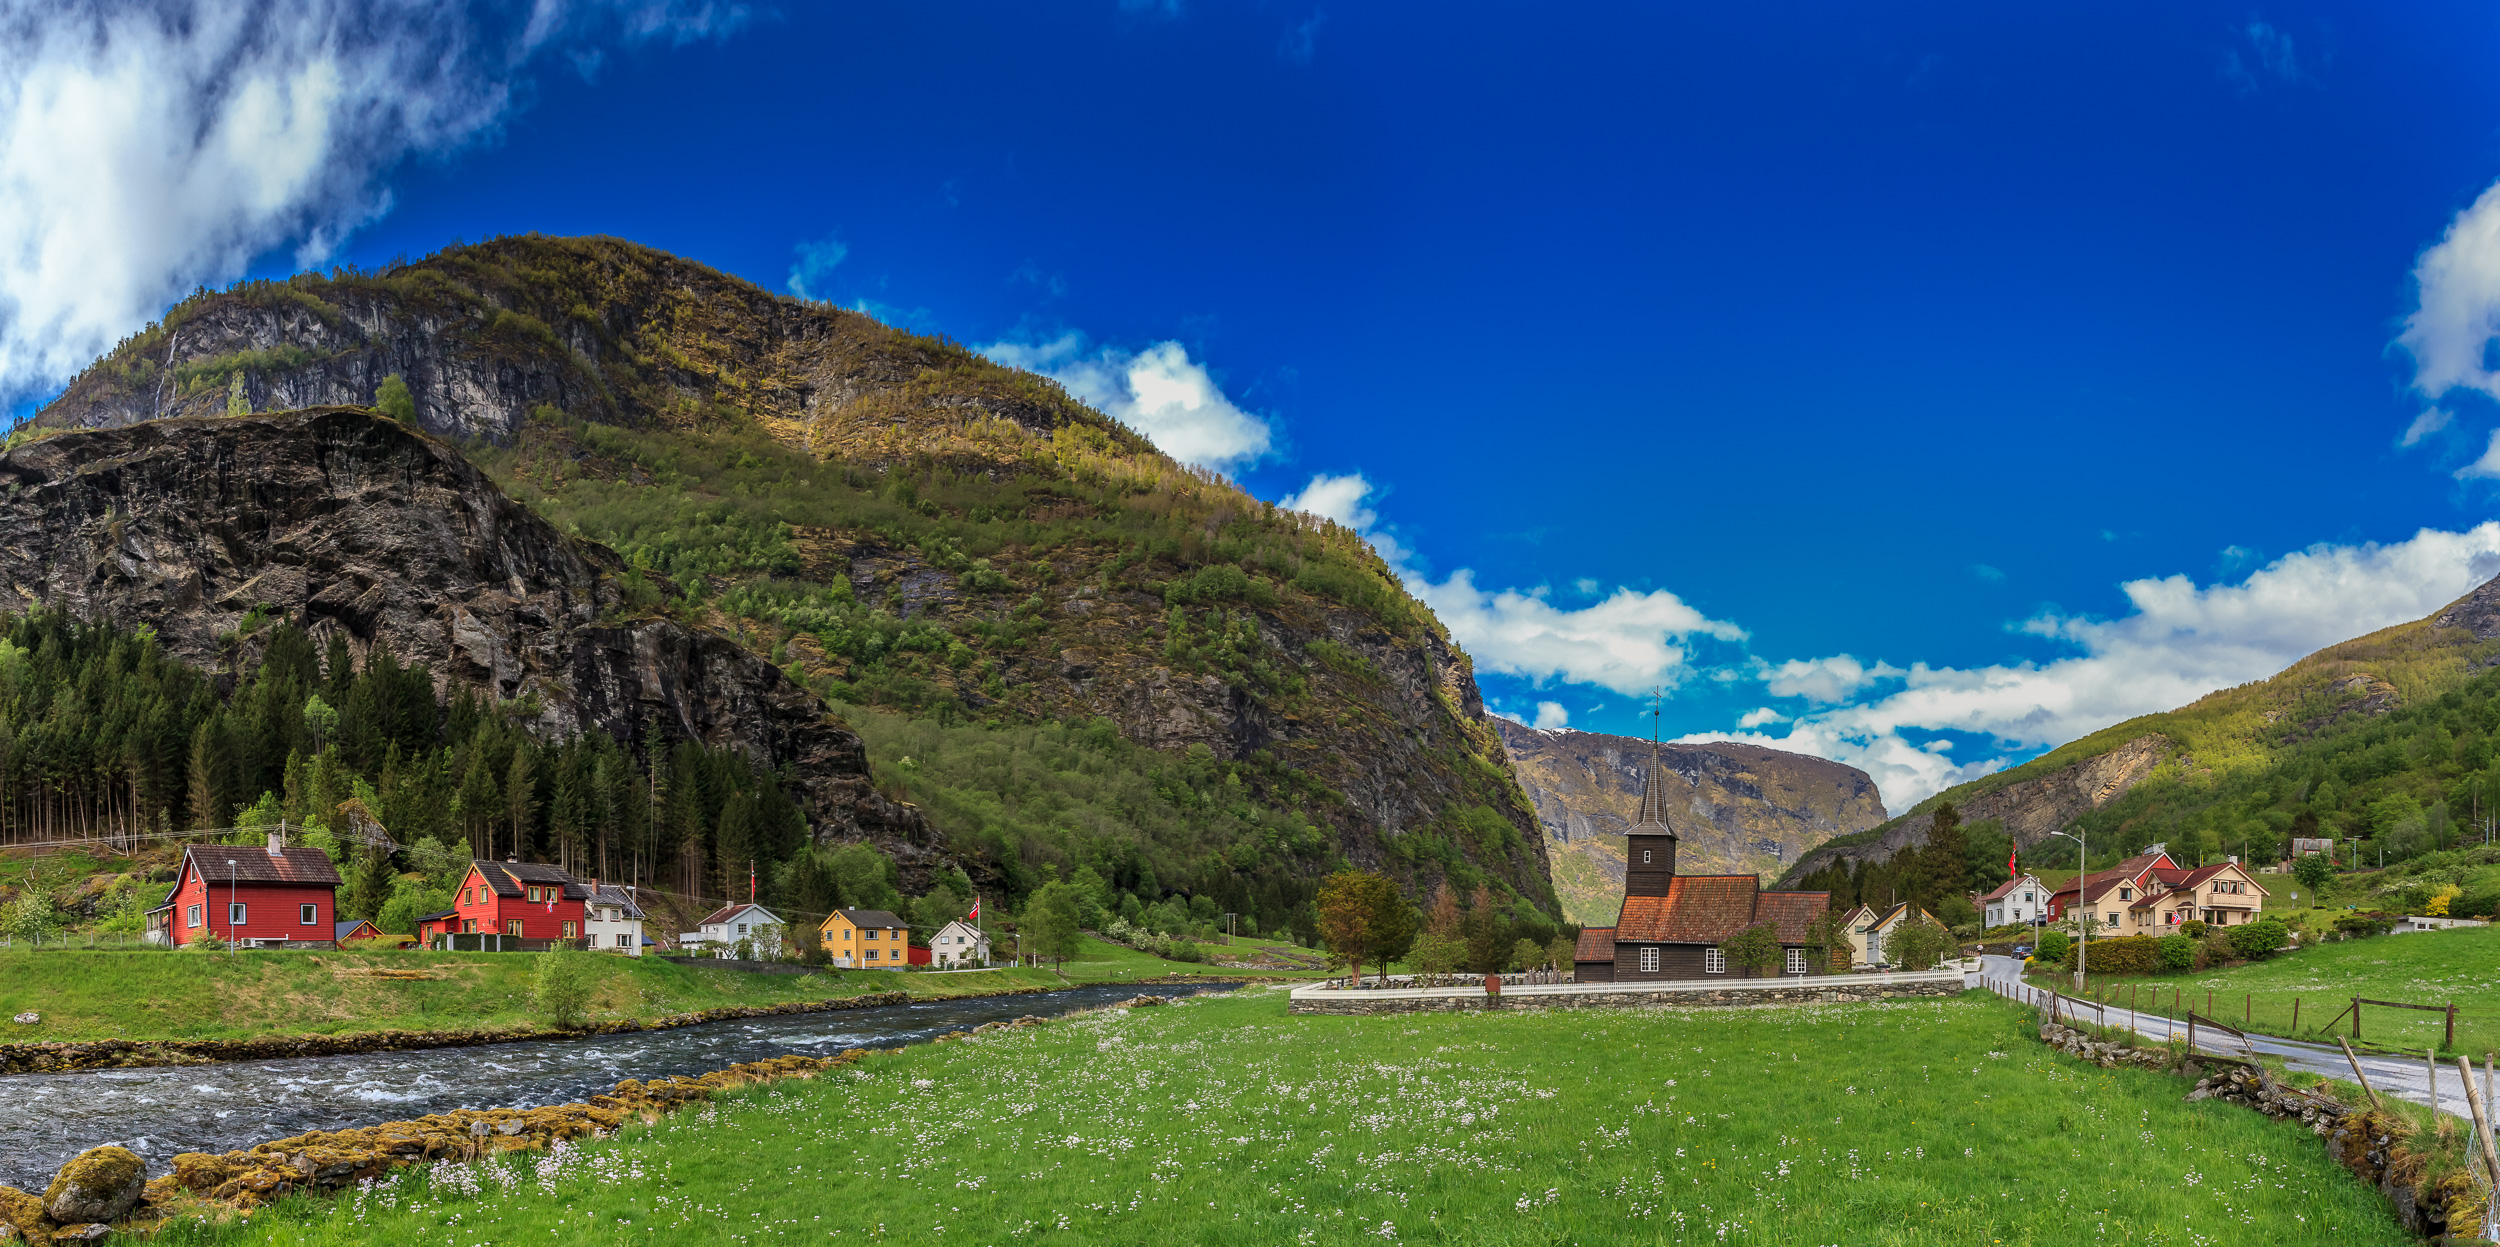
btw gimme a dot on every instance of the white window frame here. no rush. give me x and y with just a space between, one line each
1713 961
1649 961
1645 857
191 916
1796 961
236 912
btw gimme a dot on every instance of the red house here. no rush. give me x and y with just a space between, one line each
275 897
515 898
915 955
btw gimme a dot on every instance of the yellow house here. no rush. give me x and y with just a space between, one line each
866 939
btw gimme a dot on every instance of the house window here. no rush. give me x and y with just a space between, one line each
2126 894
572 929
872 954
309 915
190 915
530 894
1649 961
2113 919
234 915
1713 961
1796 961
512 927
742 928
846 933
620 942
2026 898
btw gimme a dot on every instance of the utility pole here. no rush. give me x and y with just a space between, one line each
234 897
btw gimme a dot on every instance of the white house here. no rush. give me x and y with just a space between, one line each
611 921
1868 927
959 944
2423 922
2018 900
726 928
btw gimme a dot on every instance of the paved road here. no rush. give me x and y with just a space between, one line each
2389 1076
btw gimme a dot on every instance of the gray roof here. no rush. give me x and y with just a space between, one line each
610 894
871 918
1652 820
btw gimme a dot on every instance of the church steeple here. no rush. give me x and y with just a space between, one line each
1649 843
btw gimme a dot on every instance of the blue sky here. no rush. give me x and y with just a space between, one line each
1918 385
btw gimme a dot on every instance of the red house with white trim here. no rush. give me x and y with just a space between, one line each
517 898
273 897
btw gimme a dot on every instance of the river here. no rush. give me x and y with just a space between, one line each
157 1112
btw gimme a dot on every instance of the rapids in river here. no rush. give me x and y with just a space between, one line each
157 1112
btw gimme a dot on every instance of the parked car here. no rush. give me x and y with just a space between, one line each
2022 950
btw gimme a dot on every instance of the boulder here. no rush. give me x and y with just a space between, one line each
20 1213
97 1185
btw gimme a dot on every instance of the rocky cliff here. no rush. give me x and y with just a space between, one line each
2030 809
201 528
896 521
1736 809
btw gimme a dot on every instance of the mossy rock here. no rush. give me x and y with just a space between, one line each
99 1184
200 1171
22 1212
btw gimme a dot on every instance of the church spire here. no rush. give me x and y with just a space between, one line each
1653 801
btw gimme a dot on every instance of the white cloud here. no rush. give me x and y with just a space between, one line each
149 148
1551 715
2180 642
816 261
1160 392
2431 420
1759 716
1629 642
2487 467
2457 283
1826 679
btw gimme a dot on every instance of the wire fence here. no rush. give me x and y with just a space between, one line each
2317 1017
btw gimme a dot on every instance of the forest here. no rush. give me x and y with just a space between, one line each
2388 788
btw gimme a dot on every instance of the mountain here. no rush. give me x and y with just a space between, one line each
901 525
2239 768
199 529
1736 808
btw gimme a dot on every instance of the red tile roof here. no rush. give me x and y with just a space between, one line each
2131 870
1596 944
1697 909
1791 911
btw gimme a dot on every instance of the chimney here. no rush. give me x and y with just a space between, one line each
277 843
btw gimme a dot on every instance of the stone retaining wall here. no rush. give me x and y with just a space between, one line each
1834 990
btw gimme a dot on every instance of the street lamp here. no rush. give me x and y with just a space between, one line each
2083 875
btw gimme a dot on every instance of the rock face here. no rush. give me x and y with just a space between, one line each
357 525
1736 809
100 1185
2030 809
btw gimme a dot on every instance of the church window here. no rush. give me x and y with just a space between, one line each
1796 961
1713 961
1649 961
1644 857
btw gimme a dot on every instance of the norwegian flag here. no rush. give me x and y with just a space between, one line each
976 907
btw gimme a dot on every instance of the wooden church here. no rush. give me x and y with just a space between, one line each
1671 926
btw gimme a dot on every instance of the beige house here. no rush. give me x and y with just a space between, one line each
1868 926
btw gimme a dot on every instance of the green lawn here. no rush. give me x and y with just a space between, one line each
1098 961
2424 967
1227 1121
189 995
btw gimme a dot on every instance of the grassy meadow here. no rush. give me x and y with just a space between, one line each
2461 966
1224 1120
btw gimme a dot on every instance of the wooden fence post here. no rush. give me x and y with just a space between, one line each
2248 1008
2356 1017
2295 1015
2451 1042
2482 1120
2357 1075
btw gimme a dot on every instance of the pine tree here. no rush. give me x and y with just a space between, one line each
520 791
1944 864
735 844
479 801
209 795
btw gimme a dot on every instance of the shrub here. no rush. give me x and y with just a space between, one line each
2125 954
1917 943
561 988
394 400
2054 947
2258 938
2355 924
2178 952
2194 928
